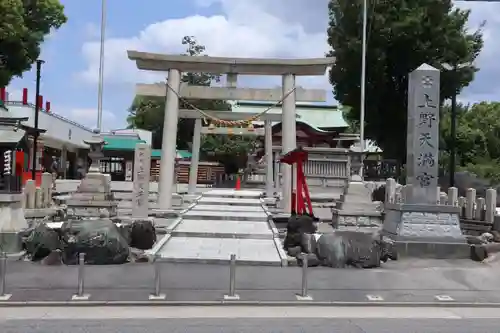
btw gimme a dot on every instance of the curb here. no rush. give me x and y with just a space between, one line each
382 304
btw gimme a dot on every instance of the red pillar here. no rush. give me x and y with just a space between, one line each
25 96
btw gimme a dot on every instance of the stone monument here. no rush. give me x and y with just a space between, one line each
142 166
422 226
93 197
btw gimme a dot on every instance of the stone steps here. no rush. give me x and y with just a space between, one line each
229 193
224 222
229 201
195 214
223 229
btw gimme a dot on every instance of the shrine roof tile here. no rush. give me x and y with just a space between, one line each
317 116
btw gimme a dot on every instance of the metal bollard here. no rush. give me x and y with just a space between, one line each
232 280
81 274
3 273
157 277
80 294
232 275
157 295
303 296
304 276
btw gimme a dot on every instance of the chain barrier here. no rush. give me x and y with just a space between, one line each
217 121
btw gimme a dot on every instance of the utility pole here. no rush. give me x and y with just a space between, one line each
37 112
363 88
101 66
453 130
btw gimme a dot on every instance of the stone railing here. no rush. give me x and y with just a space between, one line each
477 214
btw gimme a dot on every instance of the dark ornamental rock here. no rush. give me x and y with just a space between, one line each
40 241
388 250
308 243
331 251
297 226
353 248
53 259
478 252
378 194
142 234
99 239
312 260
294 251
137 255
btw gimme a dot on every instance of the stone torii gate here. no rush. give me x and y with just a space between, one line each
268 119
289 94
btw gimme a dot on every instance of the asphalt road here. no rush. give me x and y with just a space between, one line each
254 325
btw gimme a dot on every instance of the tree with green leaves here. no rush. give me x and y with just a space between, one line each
23 27
477 139
231 151
402 35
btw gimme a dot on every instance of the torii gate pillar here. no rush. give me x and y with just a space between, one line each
288 137
169 140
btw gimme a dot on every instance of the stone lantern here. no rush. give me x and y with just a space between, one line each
96 145
357 156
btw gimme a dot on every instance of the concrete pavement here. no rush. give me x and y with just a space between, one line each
249 319
439 282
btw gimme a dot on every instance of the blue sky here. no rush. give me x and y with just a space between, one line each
63 53
259 28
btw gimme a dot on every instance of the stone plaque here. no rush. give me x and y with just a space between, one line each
423 134
420 224
142 166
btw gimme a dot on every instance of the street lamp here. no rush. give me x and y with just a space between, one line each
453 118
101 66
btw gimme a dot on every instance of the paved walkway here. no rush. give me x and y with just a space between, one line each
222 223
406 281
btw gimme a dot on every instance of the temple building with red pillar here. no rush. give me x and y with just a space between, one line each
59 137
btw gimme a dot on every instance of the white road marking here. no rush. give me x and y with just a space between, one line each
77 298
444 298
304 298
377 298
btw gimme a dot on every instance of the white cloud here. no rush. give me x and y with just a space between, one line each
92 30
486 86
88 117
236 33
263 28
